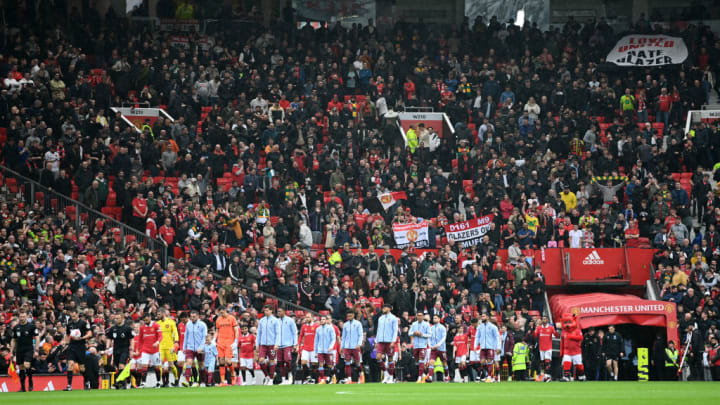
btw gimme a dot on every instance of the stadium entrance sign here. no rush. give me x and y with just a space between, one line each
648 50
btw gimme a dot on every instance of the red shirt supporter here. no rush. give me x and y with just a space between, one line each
150 336
167 233
664 102
377 302
140 208
151 227
409 88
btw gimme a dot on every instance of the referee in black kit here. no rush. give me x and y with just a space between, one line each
23 346
78 332
121 335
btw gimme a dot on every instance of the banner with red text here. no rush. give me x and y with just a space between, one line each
648 50
411 235
469 233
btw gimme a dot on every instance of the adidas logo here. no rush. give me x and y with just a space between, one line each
4 388
50 387
593 258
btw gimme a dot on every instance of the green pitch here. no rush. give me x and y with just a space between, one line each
407 393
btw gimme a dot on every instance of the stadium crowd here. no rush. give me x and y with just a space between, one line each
278 150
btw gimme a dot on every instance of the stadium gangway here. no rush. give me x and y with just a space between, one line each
280 303
15 185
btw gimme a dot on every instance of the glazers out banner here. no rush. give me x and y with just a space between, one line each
648 50
411 235
469 233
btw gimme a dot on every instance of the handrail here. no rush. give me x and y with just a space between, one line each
565 266
627 264
418 109
64 201
651 285
153 243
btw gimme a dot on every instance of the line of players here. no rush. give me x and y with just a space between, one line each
482 347
165 347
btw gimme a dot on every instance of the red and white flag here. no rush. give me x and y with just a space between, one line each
414 234
389 199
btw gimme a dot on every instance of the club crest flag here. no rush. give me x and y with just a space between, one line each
648 50
389 199
411 235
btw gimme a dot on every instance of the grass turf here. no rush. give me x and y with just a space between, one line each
409 393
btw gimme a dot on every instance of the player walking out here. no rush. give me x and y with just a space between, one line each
227 334
180 354
324 344
308 356
210 353
246 343
195 333
267 333
544 333
486 340
351 344
150 337
387 335
168 346
460 347
286 341
420 333
438 334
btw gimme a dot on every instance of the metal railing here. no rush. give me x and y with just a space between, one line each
651 285
29 191
281 303
14 186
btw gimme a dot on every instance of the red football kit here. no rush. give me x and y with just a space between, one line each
307 337
247 346
461 345
544 336
149 335
181 332
167 233
136 341
471 337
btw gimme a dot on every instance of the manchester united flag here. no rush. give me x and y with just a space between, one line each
411 235
389 199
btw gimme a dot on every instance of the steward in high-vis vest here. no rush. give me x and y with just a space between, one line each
671 362
520 361
412 139
335 258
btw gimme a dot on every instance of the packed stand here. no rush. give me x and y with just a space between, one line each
279 148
